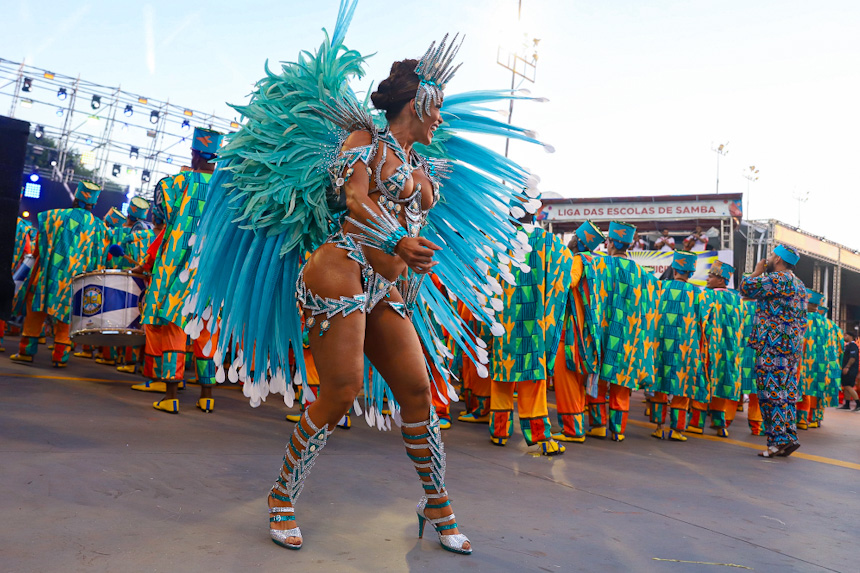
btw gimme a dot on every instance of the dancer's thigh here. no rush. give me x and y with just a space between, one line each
339 352
393 347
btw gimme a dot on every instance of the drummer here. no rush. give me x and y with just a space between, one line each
69 242
138 209
182 199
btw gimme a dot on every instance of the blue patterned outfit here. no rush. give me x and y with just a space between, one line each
777 336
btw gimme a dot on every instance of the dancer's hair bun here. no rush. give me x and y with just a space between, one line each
397 89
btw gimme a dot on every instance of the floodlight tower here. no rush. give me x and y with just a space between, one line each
721 150
521 62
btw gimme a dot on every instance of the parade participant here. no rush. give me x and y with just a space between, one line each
476 378
138 211
698 241
135 247
850 360
172 271
524 356
723 344
70 242
664 242
680 371
813 366
748 359
25 237
578 352
777 336
623 343
365 187
831 379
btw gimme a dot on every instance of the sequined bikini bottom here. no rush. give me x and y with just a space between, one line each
375 289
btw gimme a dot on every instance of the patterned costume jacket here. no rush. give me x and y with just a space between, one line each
533 312
70 242
172 274
780 318
680 359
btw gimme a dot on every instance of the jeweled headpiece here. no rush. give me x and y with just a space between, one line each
434 71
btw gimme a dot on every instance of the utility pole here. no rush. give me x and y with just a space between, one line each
751 176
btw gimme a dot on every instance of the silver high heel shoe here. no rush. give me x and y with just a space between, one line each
301 452
452 543
428 455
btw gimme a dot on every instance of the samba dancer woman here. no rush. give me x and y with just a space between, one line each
311 170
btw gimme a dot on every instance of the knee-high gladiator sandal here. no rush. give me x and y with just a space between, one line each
424 446
301 452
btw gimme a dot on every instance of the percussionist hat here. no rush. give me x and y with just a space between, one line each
787 254
621 232
815 298
684 261
722 269
589 235
114 218
206 141
138 208
87 192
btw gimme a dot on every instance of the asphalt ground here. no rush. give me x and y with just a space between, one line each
93 478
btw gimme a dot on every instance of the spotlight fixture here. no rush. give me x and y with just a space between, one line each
170 160
48 75
89 140
26 103
142 100
28 85
60 112
128 110
153 117
133 154
39 131
116 169
62 94
25 214
34 177
144 177
97 102
186 124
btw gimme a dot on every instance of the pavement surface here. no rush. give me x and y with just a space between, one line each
93 479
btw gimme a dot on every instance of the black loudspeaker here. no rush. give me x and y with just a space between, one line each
13 149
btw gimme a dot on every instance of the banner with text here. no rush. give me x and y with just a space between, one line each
638 211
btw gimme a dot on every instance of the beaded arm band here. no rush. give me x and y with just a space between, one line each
383 231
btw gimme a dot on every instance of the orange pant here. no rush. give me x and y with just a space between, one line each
531 406
678 410
754 416
723 412
569 397
164 354
619 405
477 390
33 323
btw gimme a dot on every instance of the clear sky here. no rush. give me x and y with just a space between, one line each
638 90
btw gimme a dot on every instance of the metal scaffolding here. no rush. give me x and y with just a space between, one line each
105 125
